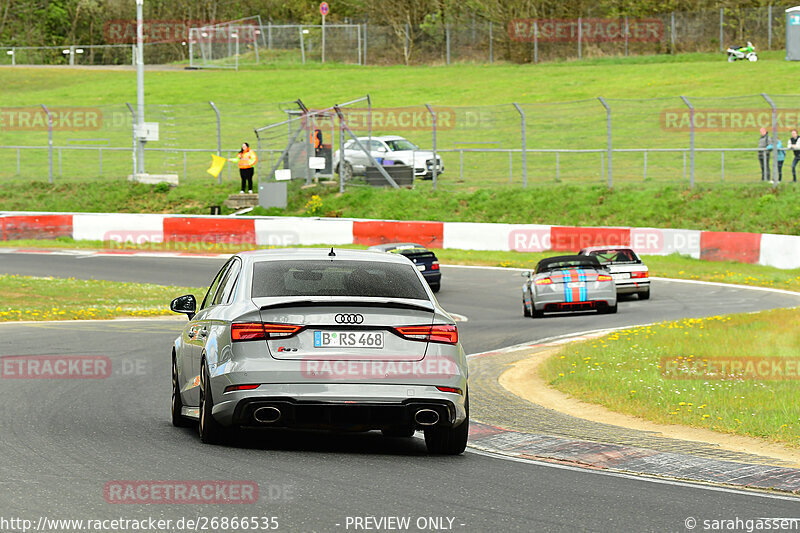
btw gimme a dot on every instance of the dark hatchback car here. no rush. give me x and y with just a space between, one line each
426 261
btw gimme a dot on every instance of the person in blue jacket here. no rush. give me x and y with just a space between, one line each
781 157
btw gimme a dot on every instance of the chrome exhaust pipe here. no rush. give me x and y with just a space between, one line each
267 415
426 417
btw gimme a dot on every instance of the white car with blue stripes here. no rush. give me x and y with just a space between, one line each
568 283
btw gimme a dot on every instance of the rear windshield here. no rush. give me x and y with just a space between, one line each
615 256
568 263
336 278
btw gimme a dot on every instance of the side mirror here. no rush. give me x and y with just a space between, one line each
184 304
526 274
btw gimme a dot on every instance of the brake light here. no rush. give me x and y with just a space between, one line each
544 281
639 274
233 388
454 390
604 277
435 265
444 333
250 331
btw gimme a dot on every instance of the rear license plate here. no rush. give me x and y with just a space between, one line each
421 267
348 339
623 275
575 285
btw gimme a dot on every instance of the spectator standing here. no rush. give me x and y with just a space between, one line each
781 156
794 144
763 154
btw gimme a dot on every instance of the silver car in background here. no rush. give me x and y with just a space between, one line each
630 274
568 283
312 338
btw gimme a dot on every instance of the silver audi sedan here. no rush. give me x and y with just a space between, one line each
321 338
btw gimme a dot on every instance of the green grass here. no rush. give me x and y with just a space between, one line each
32 298
633 371
190 122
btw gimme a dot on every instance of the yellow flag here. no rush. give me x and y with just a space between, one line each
217 163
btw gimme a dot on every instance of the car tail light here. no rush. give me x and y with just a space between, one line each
250 331
454 390
444 333
604 277
233 388
639 274
435 265
544 281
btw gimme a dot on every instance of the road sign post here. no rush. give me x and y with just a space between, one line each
323 9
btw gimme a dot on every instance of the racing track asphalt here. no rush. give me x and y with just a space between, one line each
63 440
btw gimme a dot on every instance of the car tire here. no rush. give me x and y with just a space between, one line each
178 420
399 432
644 295
525 310
610 309
448 441
209 429
348 171
534 312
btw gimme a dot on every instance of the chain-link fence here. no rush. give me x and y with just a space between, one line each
682 140
462 37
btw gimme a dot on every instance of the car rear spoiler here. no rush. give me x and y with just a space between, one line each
398 304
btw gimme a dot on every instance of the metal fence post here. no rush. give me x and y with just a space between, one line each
524 145
133 128
49 140
435 159
366 40
535 41
219 137
769 26
341 154
672 32
447 41
691 139
721 28
610 146
302 45
491 44
580 36
358 39
626 35
774 139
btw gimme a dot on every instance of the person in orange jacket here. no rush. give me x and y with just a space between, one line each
247 159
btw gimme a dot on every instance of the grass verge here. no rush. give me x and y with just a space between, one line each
673 373
32 298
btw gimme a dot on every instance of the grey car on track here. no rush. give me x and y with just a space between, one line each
324 339
568 283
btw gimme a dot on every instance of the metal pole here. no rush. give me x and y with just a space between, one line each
269 35
535 41
191 50
237 52
361 147
140 86
255 41
626 35
323 38
645 165
13 57
721 28
769 27
365 44
672 32
369 118
302 46
447 41
558 167
407 44
691 138
435 162
49 140
774 139
491 44
133 130
219 135
610 146
358 37
72 55
524 145
580 36
341 154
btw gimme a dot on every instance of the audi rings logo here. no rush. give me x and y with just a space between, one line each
349 318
